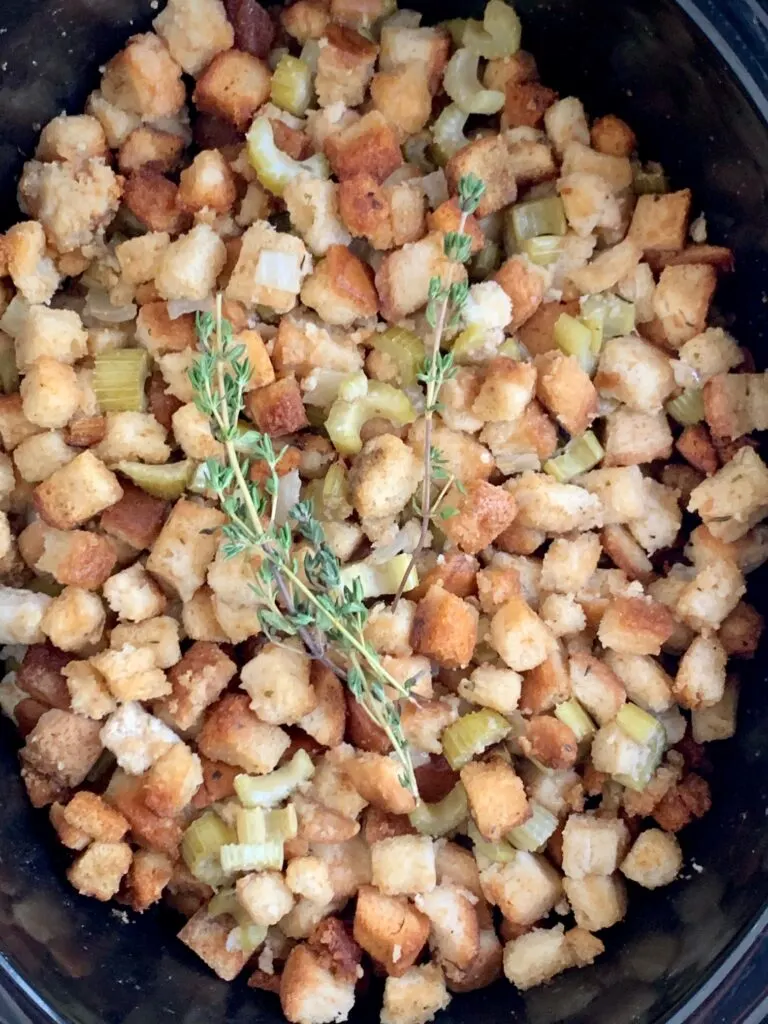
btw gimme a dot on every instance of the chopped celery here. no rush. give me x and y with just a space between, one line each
269 790
500 853
642 773
649 180
469 343
463 86
688 408
614 315
485 262
650 736
512 349
345 419
378 580
533 834
224 902
310 52
9 371
572 714
273 168
580 455
499 34
201 847
443 817
353 386
292 85
267 856
167 481
472 734
250 825
456 26
544 250
282 823
415 150
335 493
534 218
119 376
405 349
574 338
246 938
448 133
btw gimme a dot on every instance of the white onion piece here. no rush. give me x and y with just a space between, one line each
405 540
178 307
98 307
288 493
15 316
321 387
281 270
686 376
517 463
435 187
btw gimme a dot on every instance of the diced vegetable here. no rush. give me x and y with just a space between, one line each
500 853
167 481
267 856
251 825
404 348
486 262
310 53
544 250
649 733
575 338
119 376
246 937
448 133
534 834
9 372
688 408
532 219
469 343
225 902
572 714
273 168
471 734
282 823
443 817
614 315
271 789
512 349
463 85
580 455
292 85
499 34
335 493
378 580
354 386
201 847
345 419
649 180
456 26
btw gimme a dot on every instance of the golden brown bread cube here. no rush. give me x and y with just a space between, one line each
496 797
613 136
77 492
197 680
159 334
63 747
135 519
151 198
550 742
208 183
149 830
147 877
90 814
341 288
488 159
740 631
185 547
404 97
368 146
277 408
525 285
144 79
695 445
446 217
344 67
207 936
682 299
151 148
660 222
566 391
536 333
546 685
377 779
76 558
99 871
456 573
233 734
445 628
233 87
311 991
172 781
482 512
389 929
525 104
40 676
635 625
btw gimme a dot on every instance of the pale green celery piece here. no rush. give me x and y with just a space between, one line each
448 133
500 853
251 825
275 787
649 180
167 481
378 580
580 455
574 338
201 847
246 937
538 217
238 857
512 349
544 250
615 315
485 262
405 349
642 772
455 26
310 52
468 343
354 386
471 734
572 714
534 834
292 85
119 376
688 408
282 823
335 492
648 732
416 151
462 84
442 817
345 419
273 168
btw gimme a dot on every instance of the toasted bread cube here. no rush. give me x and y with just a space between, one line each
524 889
365 209
566 122
89 814
488 159
644 680
73 557
589 203
77 492
301 346
233 87
506 391
73 138
735 498
681 301
305 19
454 932
99 871
495 586
525 104
496 795
151 198
566 391
131 673
185 547
736 404
685 801
233 734
536 957
153 148
136 519
660 222
635 625
278 682
133 436
33 272
465 458
367 146
520 67
700 679
89 695
635 373
403 865
194 32
314 208
55 333
423 723
696 447
269 270
199 619
388 630
116 123
660 523
633 438
277 408
530 161
62 747
147 877
311 992
207 936
149 830
136 738
309 877
416 996
712 352
389 929
597 901
654 860
344 67
568 564
578 157
207 184
144 79
428 48
140 258
402 280
613 136
172 781
404 97
41 676
377 780
550 743
341 288
159 334
72 838
520 636
191 264
264 896
593 846
491 687
74 620
606 269
521 443
21 614
482 512
711 596
160 635
544 504
133 595
197 681
445 628
525 284
717 721
40 455
740 631
596 686
563 615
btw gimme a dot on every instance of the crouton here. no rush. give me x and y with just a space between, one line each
654 860
194 32
734 404
402 280
695 445
72 838
135 519
207 936
700 679
389 929
314 209
159 334
131 673
445 628
589 203
597 901
424 722
73 138
388 629
311 991
377 779
613 136
496 585
478 515
341 288
89 814
133 436
593 846
270 269
151 148
717 721
415 997
368 146
74 619
524 889
660 222
520 636
465 458
633 438
487 158
147 877
144 79
308 877
73 557
233 734
264 896
116 123
681 301
172 781
40 455
99 871
496 797
89 695
331 784
349 867
635 625
277 408
62 747
403 865
207 184
635 373
31 270
447 216
566 122
687 800
712 352
21 614
326 722
454 932
540 954
365 209
77 492
544 504
301 346
133 595
525 284
506 391
645 681
525 104
151 198
191 264
735 498
596 687
233 87
54 333
520 67
403 96
606 269
197 681
711 596
578 157
41 676
140 258
344 67
569 563
149 830
740 631
278 682
523 443
185 547
490 687
305 19
136 738
160 635
428 48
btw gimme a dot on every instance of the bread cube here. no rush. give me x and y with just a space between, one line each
681 301
546 685
341 288
735 498
304 20
712 352
172 781
278 682
40 455
207 184
73 557
207 936
153 148
428 48
389 929
635 373
660 222
488 159
403 865
54 333
635 625
185 547
74 620
149 830
368 146
496 795
21 614
344 67
593 846
402 280
269 270
302 346
711 596
578 157
160 635
99 871
62 747
314 208
589 203
404 97
536 957
525 104
566 122
544 504
415 997
116 123
197 680
77 492
388 630
233 87
423 723
633 438
491 687
520 636
89 814
596 687
159 334
151 198
654 860
144 79
495 586
233 734
568 564
736 404
524 889
605 270
278 408
264 896
549 742
700 679
311 992
133 595
445 628
89 695
194 31
136 738
147 877
376 778
741 631
718 721
191 265
133 436
308 877
507 389
597 901
613 136
72 838
644 680
525 284
660 524
478 515
135 519
465 458
33 272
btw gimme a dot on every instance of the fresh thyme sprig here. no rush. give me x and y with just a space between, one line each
307 601
447 300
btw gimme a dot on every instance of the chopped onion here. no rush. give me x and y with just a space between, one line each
517 463
179 307
288 494
435 187
686 376
281 270
406 539
98 307
321 387
15 316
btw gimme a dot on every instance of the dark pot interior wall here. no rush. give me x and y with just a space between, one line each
644 60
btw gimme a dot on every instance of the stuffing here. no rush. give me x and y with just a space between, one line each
76 492
644 680
569 563
207 937
735 498
465 458
193 432
496 796
131 673
277 408
99 871
488 306
344 67
520 636
613 136
700 679
660 522
654 860
270 269
72 838
681 301
133 436
264 896
424 722
403 865
710 353
403 44
740 631
89 814
519 444
589 203
447 217
278 682
73 557
596 687
311 992
705 602
340 288
149 830
520 67
136 738
390 930
305 19
454 925
367 146
525 888
696 447
194 32
63 747
377 780
597 901
488 159
160 635
445 628
635 625
415 997
491 687
384 476
172 781
40 455
687 800
314 209
74 619
88 692
207 184
185 547
32 271
152 148
606 269
544 504
191 264
507 389
147 877
565 122
133 595
525 104
233 734
233 86
496 585
718 721
633 438
151 198
635 373
660 222
144 79
593 846
21 614
72 138
308 877
136 519
197 680
300 346
402 280
388 629
549 742
479 513
563 615
540 954
735 404
57 334
578 157
157 333
525 284
456 573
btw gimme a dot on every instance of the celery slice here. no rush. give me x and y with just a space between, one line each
237 857
310 52
648 732
405 349
9 371
580 455
448 133
273 168
572 714
378 580
485 262
471 734
500 853
119 376
292 85
345 419
615 315
201 847
167 481
499 34
246 938
688 408
649 180
469 343
544 250
335 493
455 27
251 825
575 338
534 834
224 902
282 823
353 386
443 817
512 349
270 790
535 218
462 84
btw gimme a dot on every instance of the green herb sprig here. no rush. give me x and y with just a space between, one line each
306 601
447 300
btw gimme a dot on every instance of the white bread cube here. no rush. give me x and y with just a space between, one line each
207 937
135 436
454 928
74 620
140 258
311 993
596 687
520 636
264 896
313 206
41 455
593 846
416 996
133 595
403 865
270 269
705 602
77 492
635 373
89 695
99 871
492 687
547 505
633 438
563 615
388 630
712 352
736 498
185 547
194 31
700 679
566 122
116 123
597 901
654 860
56 333
136 738
190 265
717 721
308 877
131 673
644 680
32 271
620 490
569 563
277 681
525 889
661 519
160 635
542 953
